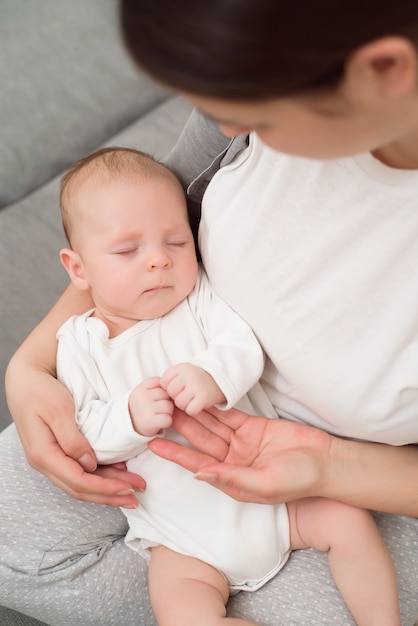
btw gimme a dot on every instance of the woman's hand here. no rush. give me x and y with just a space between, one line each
44 416
253 459
43 411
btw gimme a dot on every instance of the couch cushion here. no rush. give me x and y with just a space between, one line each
67 84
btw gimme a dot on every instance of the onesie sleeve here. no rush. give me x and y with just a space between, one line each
104 421
234 358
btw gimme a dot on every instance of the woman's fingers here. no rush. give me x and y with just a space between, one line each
241 483
251 458
188 458
47 416
111 485
204 431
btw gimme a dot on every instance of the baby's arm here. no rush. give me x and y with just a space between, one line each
191 388
150 407
104 419
233 357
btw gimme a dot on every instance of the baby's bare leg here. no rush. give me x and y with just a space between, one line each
185 591
359 559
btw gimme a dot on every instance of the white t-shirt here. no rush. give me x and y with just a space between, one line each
321 259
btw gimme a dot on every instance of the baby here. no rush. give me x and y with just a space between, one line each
158 338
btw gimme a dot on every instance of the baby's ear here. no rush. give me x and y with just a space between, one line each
72 263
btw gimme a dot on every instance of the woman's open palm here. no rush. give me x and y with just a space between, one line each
251 458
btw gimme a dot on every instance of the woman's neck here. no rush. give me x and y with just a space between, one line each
400 154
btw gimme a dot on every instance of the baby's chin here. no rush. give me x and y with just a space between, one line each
157 312
158 302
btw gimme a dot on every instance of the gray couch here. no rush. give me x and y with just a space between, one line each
67 87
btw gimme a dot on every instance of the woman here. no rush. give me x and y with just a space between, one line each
315 247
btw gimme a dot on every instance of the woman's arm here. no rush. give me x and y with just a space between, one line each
255 459
44 415
374 476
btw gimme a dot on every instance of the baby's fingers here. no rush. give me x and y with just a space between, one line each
184 400
175 388
164 413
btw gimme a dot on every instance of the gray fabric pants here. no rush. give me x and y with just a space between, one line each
65 563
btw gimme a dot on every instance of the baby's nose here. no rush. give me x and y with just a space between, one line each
158 258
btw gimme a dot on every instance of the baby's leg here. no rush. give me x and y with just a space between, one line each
185 591
359 559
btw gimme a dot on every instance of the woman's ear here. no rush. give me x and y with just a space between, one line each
385 67
72 263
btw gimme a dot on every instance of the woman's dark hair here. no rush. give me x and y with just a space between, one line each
256 49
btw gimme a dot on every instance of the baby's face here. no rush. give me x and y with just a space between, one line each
136 246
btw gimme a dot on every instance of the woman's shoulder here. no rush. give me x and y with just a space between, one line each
200 149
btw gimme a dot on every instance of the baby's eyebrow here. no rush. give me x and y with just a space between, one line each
123 237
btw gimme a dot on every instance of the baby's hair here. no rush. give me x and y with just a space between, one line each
108 164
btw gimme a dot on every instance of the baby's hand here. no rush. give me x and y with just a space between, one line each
151 407
191 388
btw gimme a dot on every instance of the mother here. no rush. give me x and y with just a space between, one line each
310 231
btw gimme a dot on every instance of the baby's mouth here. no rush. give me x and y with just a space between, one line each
156 288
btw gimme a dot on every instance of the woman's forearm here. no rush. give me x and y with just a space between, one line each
374 476
40 347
